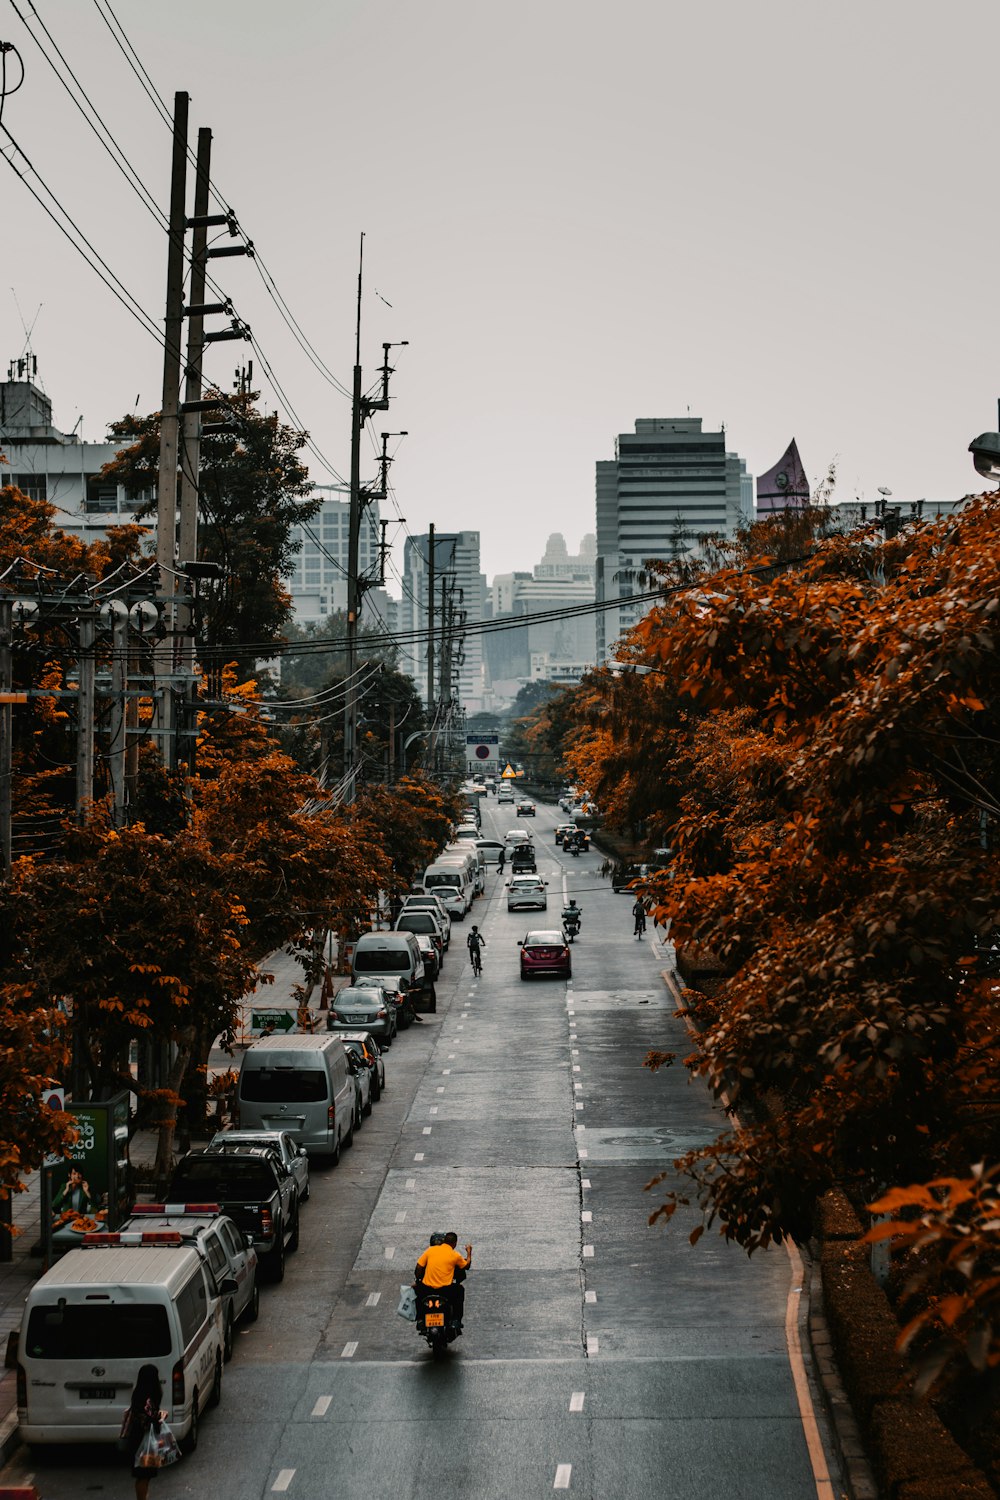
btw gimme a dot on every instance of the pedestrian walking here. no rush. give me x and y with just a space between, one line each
143 1413
501 861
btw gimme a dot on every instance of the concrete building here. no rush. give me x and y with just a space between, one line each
458 582
668 484
318 581
57 466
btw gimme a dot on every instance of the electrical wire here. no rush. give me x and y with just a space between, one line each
5 91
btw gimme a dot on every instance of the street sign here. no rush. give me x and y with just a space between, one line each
508 773
272 1020
482 750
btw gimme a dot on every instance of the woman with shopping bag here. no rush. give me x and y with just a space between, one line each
145 1434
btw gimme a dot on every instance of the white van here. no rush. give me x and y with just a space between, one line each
119 1302
453 884
476 863
300 1084
392 956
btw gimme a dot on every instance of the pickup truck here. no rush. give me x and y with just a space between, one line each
253 1186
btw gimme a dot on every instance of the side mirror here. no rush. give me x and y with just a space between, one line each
302 1151
248 1240
520 942
228 1287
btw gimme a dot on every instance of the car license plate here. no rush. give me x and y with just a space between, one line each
355 1019
434 1320
97 1393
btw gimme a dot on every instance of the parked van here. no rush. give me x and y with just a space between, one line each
119 1302
393 956
454 884
300 1084
475 862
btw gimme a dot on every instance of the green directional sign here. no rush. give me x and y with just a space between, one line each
272 1020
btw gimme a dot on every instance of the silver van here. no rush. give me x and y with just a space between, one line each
300 1084
452 884
475 860
394 956
121 1301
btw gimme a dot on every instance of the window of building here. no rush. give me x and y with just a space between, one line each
35 486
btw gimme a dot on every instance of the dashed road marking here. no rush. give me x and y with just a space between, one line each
586 1217
585 1182
446 1071
427 1130
322 1406
401 1216
390 1251
582 1155
593 1344
433 1109
578 1105
563 1472
419 1156
581 1127
578 1086
451 1058
284 1479
411 1183
576 1401
588 1251
439 1089
372 1300
590 1296
571 1012
351 1349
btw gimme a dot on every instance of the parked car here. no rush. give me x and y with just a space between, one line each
527 893
363 1007
430 953
362 1087
622 876
397 995
250 1184
433 904
422 923
365 1047
545 953
229 1255
294 1156
525 808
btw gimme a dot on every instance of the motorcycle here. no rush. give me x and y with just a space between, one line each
436 1321
574 847
571 925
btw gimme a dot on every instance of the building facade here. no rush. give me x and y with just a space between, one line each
318 581
668 485
459 589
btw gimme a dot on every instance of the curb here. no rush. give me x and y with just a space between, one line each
10 1438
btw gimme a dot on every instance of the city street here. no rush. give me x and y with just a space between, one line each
601 1356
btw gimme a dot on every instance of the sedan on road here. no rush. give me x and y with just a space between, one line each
397 997
356 1008
545 953
525 808
527 893
292 1155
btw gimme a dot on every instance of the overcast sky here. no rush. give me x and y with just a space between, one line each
778 216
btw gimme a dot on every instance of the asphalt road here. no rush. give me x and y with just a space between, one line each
600 1356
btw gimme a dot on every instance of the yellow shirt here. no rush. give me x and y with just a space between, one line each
439 1264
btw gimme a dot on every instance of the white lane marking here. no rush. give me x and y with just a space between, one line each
578 1105
576 1401
585 1182
401 1216
563 1471
411 1183
372 1299
582 1155
578 1086
322 1406
573 1036
581 1127
460 1028
446 1071
427 1130
440 1089
433 1109
390 1251
284 1479
588 1251
571 1013
451 1058
349 1350
590 1296
586 1217
419 1156
593 1344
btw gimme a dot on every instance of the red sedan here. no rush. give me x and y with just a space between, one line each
545 953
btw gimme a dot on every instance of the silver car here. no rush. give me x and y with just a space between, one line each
527 893
281 1142
358 1008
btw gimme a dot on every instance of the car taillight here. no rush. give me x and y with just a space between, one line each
177 1384
22 1387
382 1014
331 1116
265 1221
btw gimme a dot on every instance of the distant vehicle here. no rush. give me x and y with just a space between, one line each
516 836
505 794
622 876
562 829
522 859
436 906
249 1184
397 994
545 953
423 924
527 893
492 849
525 808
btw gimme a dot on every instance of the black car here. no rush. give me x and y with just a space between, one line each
623 875
252 1185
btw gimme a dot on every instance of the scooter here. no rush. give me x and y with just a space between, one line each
571 925
436 1320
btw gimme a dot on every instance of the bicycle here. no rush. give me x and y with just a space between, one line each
475 958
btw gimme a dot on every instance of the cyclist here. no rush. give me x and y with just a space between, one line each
476 943
639 912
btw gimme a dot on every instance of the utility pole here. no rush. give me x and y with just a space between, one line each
191 440
430 618
119 725
6 730
166 495
86 670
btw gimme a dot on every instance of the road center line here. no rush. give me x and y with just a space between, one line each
411 1183
401 1216
419 1156
372 1299
590 1296
563 1471
284 1479
349 1350
322 1406
576 1401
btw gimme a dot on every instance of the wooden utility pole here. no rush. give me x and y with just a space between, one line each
119 721
86 670
6 730
430 618
166 494
353 553
191 444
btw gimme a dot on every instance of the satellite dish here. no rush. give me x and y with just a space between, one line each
884 491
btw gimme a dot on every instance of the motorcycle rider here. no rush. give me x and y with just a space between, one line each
437 1270
571 914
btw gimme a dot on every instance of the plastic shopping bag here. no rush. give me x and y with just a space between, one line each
157 1449
407 1304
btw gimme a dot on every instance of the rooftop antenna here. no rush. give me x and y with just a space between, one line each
32 361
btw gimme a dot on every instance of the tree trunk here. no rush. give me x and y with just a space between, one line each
165 1146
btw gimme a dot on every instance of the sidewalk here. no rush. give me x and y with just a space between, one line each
19 1274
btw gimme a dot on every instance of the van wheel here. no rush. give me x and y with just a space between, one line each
276 1259
348 1140
227 1337
368 1107
252 1312
215 1394
293 1238
334 1157
189 1442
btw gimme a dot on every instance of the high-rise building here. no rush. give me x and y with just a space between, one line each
459 587
669 484
318 580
